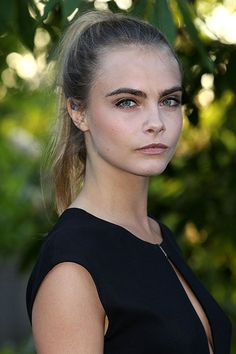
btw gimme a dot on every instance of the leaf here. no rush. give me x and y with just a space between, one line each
49 5
33 7
26 24
162 18
191 29
139 8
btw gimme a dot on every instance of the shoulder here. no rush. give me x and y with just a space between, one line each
69 283
75 238
66 305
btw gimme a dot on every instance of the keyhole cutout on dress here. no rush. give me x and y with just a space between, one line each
106 324
196 305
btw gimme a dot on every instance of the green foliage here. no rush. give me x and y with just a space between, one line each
193 33
25 348
195 196
161 16
7 11
24 218
26 26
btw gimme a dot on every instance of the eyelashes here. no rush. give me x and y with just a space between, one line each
126 103
168 102
171 102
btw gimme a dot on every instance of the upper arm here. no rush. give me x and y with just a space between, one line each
68 316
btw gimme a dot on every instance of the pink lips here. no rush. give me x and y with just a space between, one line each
153 149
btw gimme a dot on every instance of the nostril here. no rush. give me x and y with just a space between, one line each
150 130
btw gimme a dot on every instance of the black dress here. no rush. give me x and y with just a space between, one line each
148 309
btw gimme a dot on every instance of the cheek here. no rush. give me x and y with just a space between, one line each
106 131
111 133
177 129
108 124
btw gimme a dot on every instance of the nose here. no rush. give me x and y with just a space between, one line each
154 122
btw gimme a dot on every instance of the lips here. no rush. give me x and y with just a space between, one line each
153 149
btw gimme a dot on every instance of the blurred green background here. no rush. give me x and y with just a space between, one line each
196 196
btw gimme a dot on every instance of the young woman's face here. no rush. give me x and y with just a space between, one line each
134 115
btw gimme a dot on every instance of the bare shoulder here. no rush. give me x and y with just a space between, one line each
68 316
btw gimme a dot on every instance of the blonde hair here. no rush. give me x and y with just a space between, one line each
78 54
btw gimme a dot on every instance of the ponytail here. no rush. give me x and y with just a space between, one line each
79 53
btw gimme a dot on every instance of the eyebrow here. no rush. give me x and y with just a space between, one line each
140 93
171 90
127 90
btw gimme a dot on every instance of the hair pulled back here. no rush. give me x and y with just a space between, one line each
78 54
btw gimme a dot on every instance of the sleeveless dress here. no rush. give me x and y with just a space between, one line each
147 307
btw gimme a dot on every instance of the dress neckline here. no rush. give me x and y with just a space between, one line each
112 224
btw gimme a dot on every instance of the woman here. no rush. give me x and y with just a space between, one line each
109 278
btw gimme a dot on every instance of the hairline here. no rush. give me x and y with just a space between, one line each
119 45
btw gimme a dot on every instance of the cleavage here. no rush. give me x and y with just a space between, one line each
197 307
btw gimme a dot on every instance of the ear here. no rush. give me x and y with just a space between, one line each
77 114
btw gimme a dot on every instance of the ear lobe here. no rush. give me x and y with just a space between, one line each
81 121
77 115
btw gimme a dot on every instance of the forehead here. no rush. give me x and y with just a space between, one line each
143 67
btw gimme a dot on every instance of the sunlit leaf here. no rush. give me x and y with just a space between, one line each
193 33
197 188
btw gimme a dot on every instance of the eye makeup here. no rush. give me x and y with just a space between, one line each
126 103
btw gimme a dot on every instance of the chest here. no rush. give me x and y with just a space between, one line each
156 304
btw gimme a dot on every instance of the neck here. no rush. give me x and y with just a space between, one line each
118 197
114 195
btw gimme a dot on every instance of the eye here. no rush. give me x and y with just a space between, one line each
126 103
171 102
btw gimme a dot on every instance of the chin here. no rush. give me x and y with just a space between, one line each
152 171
